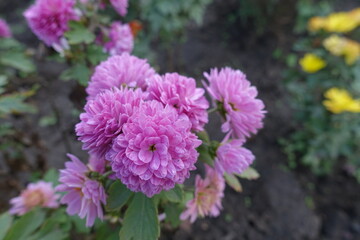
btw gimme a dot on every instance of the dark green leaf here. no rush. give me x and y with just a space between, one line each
79 34
17 60
141 220
173 212
52 175
95 54
205 155
79 72
175 194
119 194
14 103
24 226
5 223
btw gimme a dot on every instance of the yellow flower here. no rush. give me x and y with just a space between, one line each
311 63
340 46
335 44
340 100
340 22
351 51
316 23
355 15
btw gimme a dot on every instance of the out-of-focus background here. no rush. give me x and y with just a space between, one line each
265 39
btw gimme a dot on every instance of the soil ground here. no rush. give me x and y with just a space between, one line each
281 205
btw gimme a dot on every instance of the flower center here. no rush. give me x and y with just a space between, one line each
34 198
152 148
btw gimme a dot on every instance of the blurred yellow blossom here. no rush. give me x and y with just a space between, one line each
355 15
340 100
311 63
316 23
341 22
340 46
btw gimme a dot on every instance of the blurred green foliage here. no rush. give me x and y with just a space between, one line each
322 140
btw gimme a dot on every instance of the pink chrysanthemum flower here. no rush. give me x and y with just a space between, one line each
4 29
121 39
156 149
49 19
232 157
181 92
104 117
117 71
236 101
121 6
208 195
36 194
84 196
97 164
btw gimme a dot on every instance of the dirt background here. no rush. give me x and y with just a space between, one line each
281 205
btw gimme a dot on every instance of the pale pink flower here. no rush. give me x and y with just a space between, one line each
181 93
236 101
208 195
84 196
49 20
40 194
232 157
118 71
121 39
4 29
155 150
120 6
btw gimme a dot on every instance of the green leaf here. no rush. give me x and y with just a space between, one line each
17 60
79 34
233 182
14 103
249 174
204 136
175 194
48 120
52 175
27 224
95 54
141 220
5 223
119 194
79 72
205 155
173 212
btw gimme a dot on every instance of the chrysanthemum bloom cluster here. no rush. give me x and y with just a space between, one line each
121 6
146 137
156 149
181 93
208 195
117 71
4 29
84 196
121 39
40 194
341 22
341 46
236 101
49 20
311 63
340 100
